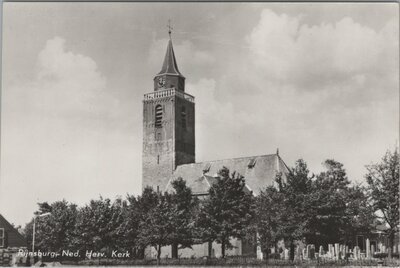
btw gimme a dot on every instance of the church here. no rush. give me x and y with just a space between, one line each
169 148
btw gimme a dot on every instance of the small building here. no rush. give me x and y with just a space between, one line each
377 241
9 236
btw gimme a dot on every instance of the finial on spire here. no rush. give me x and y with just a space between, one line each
169 28
277 151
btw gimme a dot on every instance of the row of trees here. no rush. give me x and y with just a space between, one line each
327 208
153 219
320 209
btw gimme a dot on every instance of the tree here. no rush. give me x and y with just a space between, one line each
54 231
97 225
267 209
129 227
157 227
294 217
227 211
184 205
359 214
142 206
328 204
383 185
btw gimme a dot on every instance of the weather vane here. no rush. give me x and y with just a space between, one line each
169 28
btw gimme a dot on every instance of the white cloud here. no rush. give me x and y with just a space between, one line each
323 91
62 134
312 57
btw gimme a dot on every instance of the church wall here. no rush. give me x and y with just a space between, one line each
158 160
199 250
184 135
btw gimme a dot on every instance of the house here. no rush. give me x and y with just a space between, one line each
9 236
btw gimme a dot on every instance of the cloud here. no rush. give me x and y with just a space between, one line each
312 57
62 133
316 92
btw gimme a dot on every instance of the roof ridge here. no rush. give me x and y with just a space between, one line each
235 158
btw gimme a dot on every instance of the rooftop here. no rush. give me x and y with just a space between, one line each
258 171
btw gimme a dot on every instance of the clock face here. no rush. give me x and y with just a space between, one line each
161 81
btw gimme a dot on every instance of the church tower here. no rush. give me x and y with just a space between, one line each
168 125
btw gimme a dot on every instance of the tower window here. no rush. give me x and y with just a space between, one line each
183 117
159 115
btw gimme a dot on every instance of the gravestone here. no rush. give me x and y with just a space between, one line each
368 248
336 251
321 250
312 252
330 251
298 253
286 254
355 253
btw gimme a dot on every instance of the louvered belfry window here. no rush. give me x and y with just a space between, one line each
159 114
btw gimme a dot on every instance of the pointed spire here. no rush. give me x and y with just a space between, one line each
170 66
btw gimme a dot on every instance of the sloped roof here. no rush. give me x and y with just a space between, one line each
170 66
199 185
258 171
14 238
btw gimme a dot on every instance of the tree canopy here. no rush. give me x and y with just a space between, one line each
227 211
300 206
383 186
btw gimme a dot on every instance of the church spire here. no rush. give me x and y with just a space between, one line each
169 77
170 67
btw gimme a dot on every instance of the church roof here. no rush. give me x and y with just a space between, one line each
258 171
170 66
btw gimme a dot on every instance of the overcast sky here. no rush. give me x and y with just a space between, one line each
316 80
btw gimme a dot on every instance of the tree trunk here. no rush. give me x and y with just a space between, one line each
158 254
266 254
291 256
391 240
210 249
223 248
174 249
141 252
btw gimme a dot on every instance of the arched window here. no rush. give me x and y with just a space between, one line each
183 117
159 115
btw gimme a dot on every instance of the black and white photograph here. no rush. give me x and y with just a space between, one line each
193 134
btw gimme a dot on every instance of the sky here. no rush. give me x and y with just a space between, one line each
318 81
